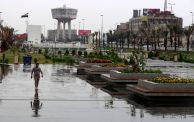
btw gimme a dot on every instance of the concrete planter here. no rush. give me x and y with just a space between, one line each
165 87
89 65
98 68
133 76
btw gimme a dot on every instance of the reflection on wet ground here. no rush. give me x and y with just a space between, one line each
36 105
64 97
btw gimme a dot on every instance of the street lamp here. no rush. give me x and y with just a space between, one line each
102 30
0 18
83 23
79 25
192 17
171 4
43 26
83 36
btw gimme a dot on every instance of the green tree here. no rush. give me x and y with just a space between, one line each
6 37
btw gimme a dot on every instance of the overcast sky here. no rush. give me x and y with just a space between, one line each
114 11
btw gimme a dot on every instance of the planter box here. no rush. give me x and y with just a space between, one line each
89 65
133 76
98 68
165 87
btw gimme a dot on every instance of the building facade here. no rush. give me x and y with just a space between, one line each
34 34
153 19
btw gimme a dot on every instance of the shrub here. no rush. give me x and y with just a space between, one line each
85 54
39 51
35 60
100 53
46 51
80 53
59 52
67 52
151 54
73 52
95 53
6 61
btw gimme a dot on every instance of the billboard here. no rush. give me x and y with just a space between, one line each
151 12
84 32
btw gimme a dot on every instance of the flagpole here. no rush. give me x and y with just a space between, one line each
27 23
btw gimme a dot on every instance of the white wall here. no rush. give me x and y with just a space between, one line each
34 34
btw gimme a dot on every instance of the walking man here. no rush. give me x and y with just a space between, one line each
36 71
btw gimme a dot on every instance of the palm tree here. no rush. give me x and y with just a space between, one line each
103 43
96 34
134 35
171 31
165 34
147 35
177 32
108 39
153 32
128 34
93 35
188 32
111 38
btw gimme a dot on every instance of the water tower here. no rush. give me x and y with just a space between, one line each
64 15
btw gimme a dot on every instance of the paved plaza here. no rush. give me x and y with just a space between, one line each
64 97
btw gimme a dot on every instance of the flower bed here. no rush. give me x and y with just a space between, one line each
99 61
169 85
172 80
114 65
133 76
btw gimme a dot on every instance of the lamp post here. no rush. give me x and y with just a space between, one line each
192 17
83 36
0 18
83 20
102 30
44 33
171 4
79 25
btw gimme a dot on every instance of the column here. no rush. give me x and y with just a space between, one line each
58 29
69 29
64 30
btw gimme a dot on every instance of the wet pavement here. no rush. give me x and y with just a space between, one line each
64 97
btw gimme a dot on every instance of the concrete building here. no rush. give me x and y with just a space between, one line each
34 34
153 18
52 34
64 15
123 27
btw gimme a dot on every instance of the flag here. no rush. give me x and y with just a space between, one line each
25 15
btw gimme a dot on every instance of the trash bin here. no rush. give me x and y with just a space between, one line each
27 59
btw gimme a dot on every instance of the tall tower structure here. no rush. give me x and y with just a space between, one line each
64 15
165 5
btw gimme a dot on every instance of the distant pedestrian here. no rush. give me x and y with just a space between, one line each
36 72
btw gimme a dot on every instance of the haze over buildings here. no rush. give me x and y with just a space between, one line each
114 12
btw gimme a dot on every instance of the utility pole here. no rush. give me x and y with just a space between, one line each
102 30
192 17
0 18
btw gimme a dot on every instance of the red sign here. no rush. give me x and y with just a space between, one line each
84 32
21 36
